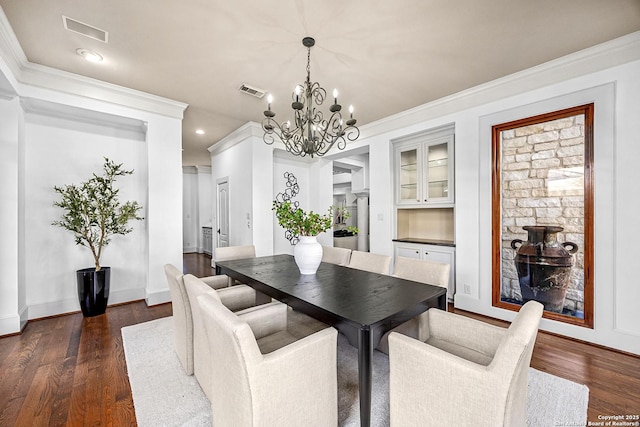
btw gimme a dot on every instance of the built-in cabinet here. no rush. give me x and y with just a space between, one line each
207 240
438 253
424 169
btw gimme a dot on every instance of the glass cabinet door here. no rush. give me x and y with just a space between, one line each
423 169
408 175
437 171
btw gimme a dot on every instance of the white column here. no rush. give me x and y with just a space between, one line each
363 221
164 204
13 312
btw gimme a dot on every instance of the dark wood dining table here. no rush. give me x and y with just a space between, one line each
359 304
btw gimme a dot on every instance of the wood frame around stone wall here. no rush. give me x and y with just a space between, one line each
497 215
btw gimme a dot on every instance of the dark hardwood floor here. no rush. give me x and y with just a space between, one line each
70 370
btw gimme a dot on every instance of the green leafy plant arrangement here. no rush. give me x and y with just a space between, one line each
353 229
342 215
299 222
92 211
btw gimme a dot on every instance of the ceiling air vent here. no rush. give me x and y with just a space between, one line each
250 90
85 29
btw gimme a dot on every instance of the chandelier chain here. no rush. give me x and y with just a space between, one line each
308 64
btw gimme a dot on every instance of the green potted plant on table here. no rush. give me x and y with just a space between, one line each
93 213
302 230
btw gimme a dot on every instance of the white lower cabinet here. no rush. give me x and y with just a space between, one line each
207 240
438 253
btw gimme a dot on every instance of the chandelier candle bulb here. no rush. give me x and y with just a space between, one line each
313 133
269 113
335 107
351 121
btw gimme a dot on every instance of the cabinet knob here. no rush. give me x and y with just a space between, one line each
417 252
426 253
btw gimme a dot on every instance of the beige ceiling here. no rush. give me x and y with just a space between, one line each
383 56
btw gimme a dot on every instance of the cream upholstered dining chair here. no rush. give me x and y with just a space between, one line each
463 369
262 375
333 255
374 263
234 252
228 253
422 270
182 323
241 298
417 270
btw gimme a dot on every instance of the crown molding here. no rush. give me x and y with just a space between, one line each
27 73
247 130
191 170
134 127
606 55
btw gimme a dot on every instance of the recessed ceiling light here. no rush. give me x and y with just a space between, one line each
89 55
199 131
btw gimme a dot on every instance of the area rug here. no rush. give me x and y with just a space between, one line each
164 396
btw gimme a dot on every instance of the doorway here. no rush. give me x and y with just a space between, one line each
222 221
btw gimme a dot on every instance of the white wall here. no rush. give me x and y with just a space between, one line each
59 152
50 136
190 210
260 220
321 193
247 162
616 93
284 162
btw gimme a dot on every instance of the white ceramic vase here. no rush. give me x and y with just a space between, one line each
308 254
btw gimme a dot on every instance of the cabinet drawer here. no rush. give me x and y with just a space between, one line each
408 252
437 256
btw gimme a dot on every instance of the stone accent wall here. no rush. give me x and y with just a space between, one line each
543 184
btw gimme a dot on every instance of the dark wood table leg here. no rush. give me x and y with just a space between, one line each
442 302
365 355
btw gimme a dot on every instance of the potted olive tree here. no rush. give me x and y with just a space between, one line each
93 213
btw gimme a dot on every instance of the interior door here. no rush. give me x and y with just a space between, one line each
223 213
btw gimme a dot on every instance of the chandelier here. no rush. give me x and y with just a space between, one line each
310 133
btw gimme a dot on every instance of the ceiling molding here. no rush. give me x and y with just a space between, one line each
134 127
41 76
247 130
190 170
10 49
597 58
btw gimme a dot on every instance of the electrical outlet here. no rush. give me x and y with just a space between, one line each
467 289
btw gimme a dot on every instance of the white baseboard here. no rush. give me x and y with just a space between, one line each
158 297
9 325
24 316
70 305
53 308
126 295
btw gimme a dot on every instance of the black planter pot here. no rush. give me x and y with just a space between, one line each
93 290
